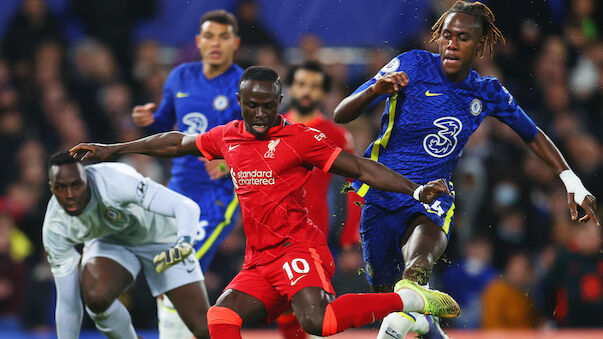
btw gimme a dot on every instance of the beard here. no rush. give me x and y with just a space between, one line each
303 109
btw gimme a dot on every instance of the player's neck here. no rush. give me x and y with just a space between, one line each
301 118
211 71
458 77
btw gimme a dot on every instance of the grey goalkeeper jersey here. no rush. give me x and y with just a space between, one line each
119 211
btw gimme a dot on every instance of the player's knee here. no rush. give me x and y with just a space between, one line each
311 321
98 300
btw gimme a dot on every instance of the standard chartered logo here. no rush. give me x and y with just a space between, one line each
255 177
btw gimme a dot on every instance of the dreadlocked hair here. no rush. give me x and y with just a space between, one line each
477 10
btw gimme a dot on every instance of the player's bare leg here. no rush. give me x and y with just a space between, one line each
309 306
320 313
191 302
102 281
423 243
231 310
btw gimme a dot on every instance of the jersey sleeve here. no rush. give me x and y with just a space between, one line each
165 116
316 149
61 254
403 62
508 111
209 143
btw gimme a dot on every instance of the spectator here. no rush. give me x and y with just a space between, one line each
467 278
573 289
112 22
33 24
506 302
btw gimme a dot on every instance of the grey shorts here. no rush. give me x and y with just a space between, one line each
133 258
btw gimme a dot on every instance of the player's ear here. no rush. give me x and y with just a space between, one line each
198 41
280 98
237 42
238 98
480 46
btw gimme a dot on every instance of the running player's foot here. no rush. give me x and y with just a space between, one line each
435 331
434 302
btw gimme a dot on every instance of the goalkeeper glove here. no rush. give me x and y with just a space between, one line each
173 255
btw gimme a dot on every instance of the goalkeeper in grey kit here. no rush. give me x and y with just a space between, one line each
127 223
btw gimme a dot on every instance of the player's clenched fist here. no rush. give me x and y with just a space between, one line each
390 83
174 255
143 115
431 191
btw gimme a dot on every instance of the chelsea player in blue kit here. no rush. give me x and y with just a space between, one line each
434 103
198 96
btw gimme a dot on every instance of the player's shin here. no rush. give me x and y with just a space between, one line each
224 323
170 324
115 322
355 310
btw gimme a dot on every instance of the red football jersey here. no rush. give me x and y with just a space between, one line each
317 187
269 176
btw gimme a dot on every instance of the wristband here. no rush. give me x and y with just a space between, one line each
573 184
415 194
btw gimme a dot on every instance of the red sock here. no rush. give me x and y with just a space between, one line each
289 327
355 310
224 331
223 323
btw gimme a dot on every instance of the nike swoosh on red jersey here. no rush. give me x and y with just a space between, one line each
295 281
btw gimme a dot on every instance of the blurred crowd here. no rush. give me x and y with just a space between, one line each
515 259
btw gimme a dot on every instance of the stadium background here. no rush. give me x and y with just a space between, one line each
71 71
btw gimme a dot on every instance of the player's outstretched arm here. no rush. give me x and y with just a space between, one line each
577 194
167 145
380 177
351 107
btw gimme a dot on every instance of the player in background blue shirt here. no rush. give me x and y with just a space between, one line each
198 96
434 103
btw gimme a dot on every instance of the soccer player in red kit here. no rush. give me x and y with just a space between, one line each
308 83
287 261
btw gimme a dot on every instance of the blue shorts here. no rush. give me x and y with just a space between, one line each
382 230
216 227
219 214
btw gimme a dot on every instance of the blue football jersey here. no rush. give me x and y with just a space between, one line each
426 125
195 104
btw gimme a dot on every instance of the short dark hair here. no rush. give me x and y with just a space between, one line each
261 73
480 12
222 17
61 158
311 66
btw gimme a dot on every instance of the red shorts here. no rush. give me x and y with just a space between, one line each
275 283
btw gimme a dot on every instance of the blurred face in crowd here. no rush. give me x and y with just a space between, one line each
217 43
460 41
306 90
69 185
259 101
